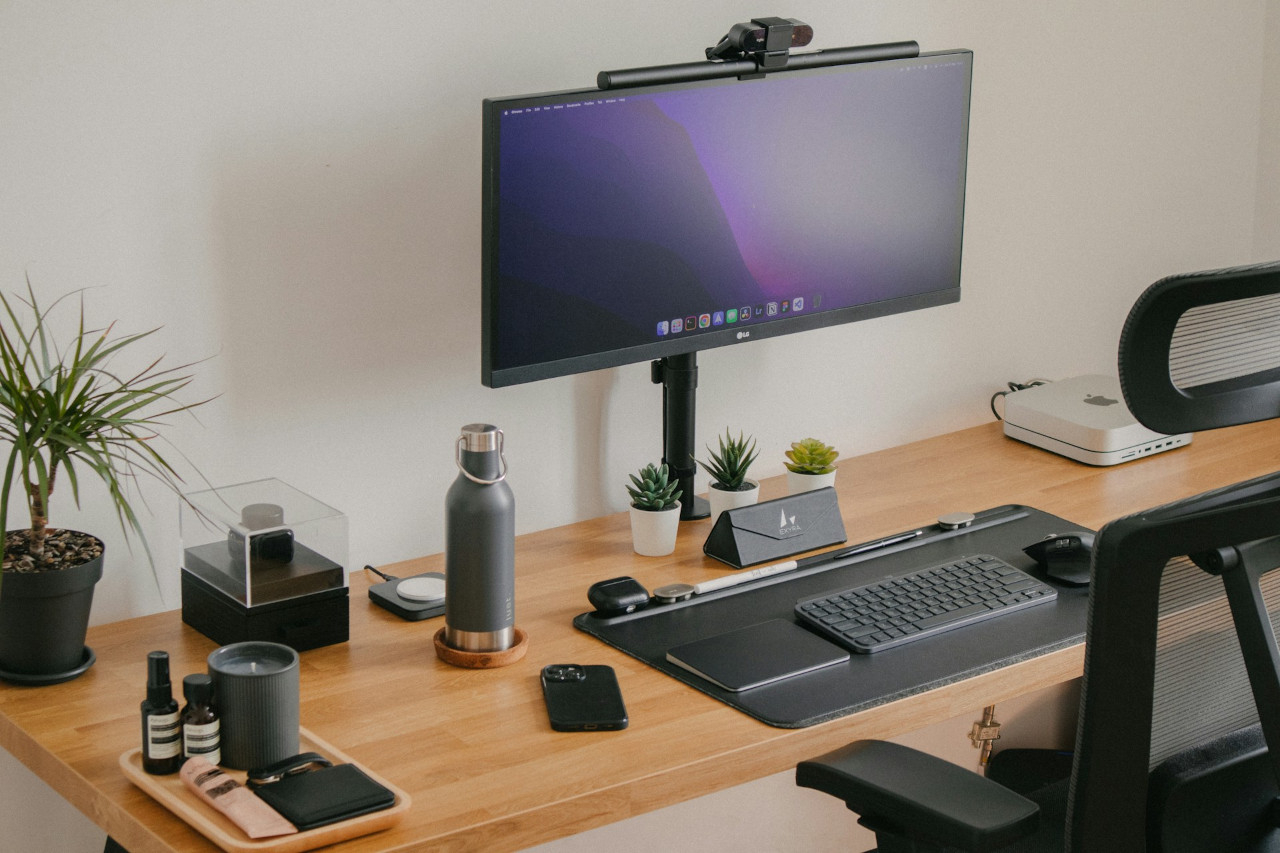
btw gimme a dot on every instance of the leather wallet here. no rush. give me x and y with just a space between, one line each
325 795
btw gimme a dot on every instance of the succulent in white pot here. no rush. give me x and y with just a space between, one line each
730 487
655 511
810 465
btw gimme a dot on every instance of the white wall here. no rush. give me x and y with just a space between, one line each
1267 225
293 188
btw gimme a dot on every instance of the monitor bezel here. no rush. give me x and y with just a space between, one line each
495 377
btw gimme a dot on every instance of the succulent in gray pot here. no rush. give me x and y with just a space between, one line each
66 413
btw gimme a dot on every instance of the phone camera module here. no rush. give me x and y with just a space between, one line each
564 672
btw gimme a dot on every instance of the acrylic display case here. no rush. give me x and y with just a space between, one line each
264 561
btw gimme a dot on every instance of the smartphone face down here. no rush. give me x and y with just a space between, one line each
583 698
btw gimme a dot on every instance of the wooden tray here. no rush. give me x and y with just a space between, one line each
215 826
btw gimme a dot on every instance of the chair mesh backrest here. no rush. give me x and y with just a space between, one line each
1226 340
1201 689
1202 350
1163 665
1223 337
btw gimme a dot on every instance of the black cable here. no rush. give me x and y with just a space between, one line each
383 575
1013 386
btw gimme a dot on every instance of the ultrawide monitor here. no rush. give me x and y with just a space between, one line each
628 225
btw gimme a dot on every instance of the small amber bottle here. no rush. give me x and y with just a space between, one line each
161 729
201 726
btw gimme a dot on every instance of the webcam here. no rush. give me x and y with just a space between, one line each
765 40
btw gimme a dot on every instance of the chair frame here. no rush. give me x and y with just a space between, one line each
1113 757
1233 532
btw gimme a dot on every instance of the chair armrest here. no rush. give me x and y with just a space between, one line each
913 795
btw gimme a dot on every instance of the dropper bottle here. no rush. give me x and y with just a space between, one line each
161 730
201 727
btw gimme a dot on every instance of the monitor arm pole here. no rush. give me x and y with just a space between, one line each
678 376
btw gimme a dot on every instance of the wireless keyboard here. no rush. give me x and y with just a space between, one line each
897 610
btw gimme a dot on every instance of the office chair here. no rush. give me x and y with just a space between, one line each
1178 741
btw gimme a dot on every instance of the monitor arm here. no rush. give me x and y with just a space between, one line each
678 376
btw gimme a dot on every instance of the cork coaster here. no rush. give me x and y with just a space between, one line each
482 660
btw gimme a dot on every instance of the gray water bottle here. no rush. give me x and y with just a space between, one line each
479 545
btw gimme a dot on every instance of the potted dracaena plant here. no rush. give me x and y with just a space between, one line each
730 487
64 414
655 511
810 465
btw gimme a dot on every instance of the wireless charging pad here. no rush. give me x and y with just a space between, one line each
425 588
416 598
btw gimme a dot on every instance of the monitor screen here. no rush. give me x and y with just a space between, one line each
635 224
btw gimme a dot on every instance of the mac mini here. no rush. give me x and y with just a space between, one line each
1085 419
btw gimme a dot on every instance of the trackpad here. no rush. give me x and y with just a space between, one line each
756 655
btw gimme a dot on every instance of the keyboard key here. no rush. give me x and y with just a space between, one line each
951 616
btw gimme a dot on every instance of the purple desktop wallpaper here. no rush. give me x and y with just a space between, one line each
622 216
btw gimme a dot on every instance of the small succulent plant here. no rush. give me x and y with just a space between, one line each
811 456
729 467
654 489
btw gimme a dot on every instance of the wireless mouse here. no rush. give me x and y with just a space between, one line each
1065 557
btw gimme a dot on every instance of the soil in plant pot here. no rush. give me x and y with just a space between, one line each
62 549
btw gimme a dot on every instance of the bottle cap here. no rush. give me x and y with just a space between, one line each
158 688
157 669
198 689
480 438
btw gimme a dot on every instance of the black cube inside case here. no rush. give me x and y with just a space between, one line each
264 561
300 598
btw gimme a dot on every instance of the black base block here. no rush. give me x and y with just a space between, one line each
305 622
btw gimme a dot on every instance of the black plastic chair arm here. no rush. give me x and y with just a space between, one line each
917 796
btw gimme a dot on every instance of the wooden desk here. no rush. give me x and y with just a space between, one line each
473 748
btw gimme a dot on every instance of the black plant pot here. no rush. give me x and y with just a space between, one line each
44 617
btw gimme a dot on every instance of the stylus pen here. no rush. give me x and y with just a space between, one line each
803 563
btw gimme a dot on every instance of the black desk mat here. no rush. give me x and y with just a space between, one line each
866 680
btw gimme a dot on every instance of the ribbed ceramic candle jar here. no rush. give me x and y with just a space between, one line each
256 688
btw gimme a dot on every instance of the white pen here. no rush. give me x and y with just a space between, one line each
804 562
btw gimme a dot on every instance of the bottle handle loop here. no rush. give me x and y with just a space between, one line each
457 458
